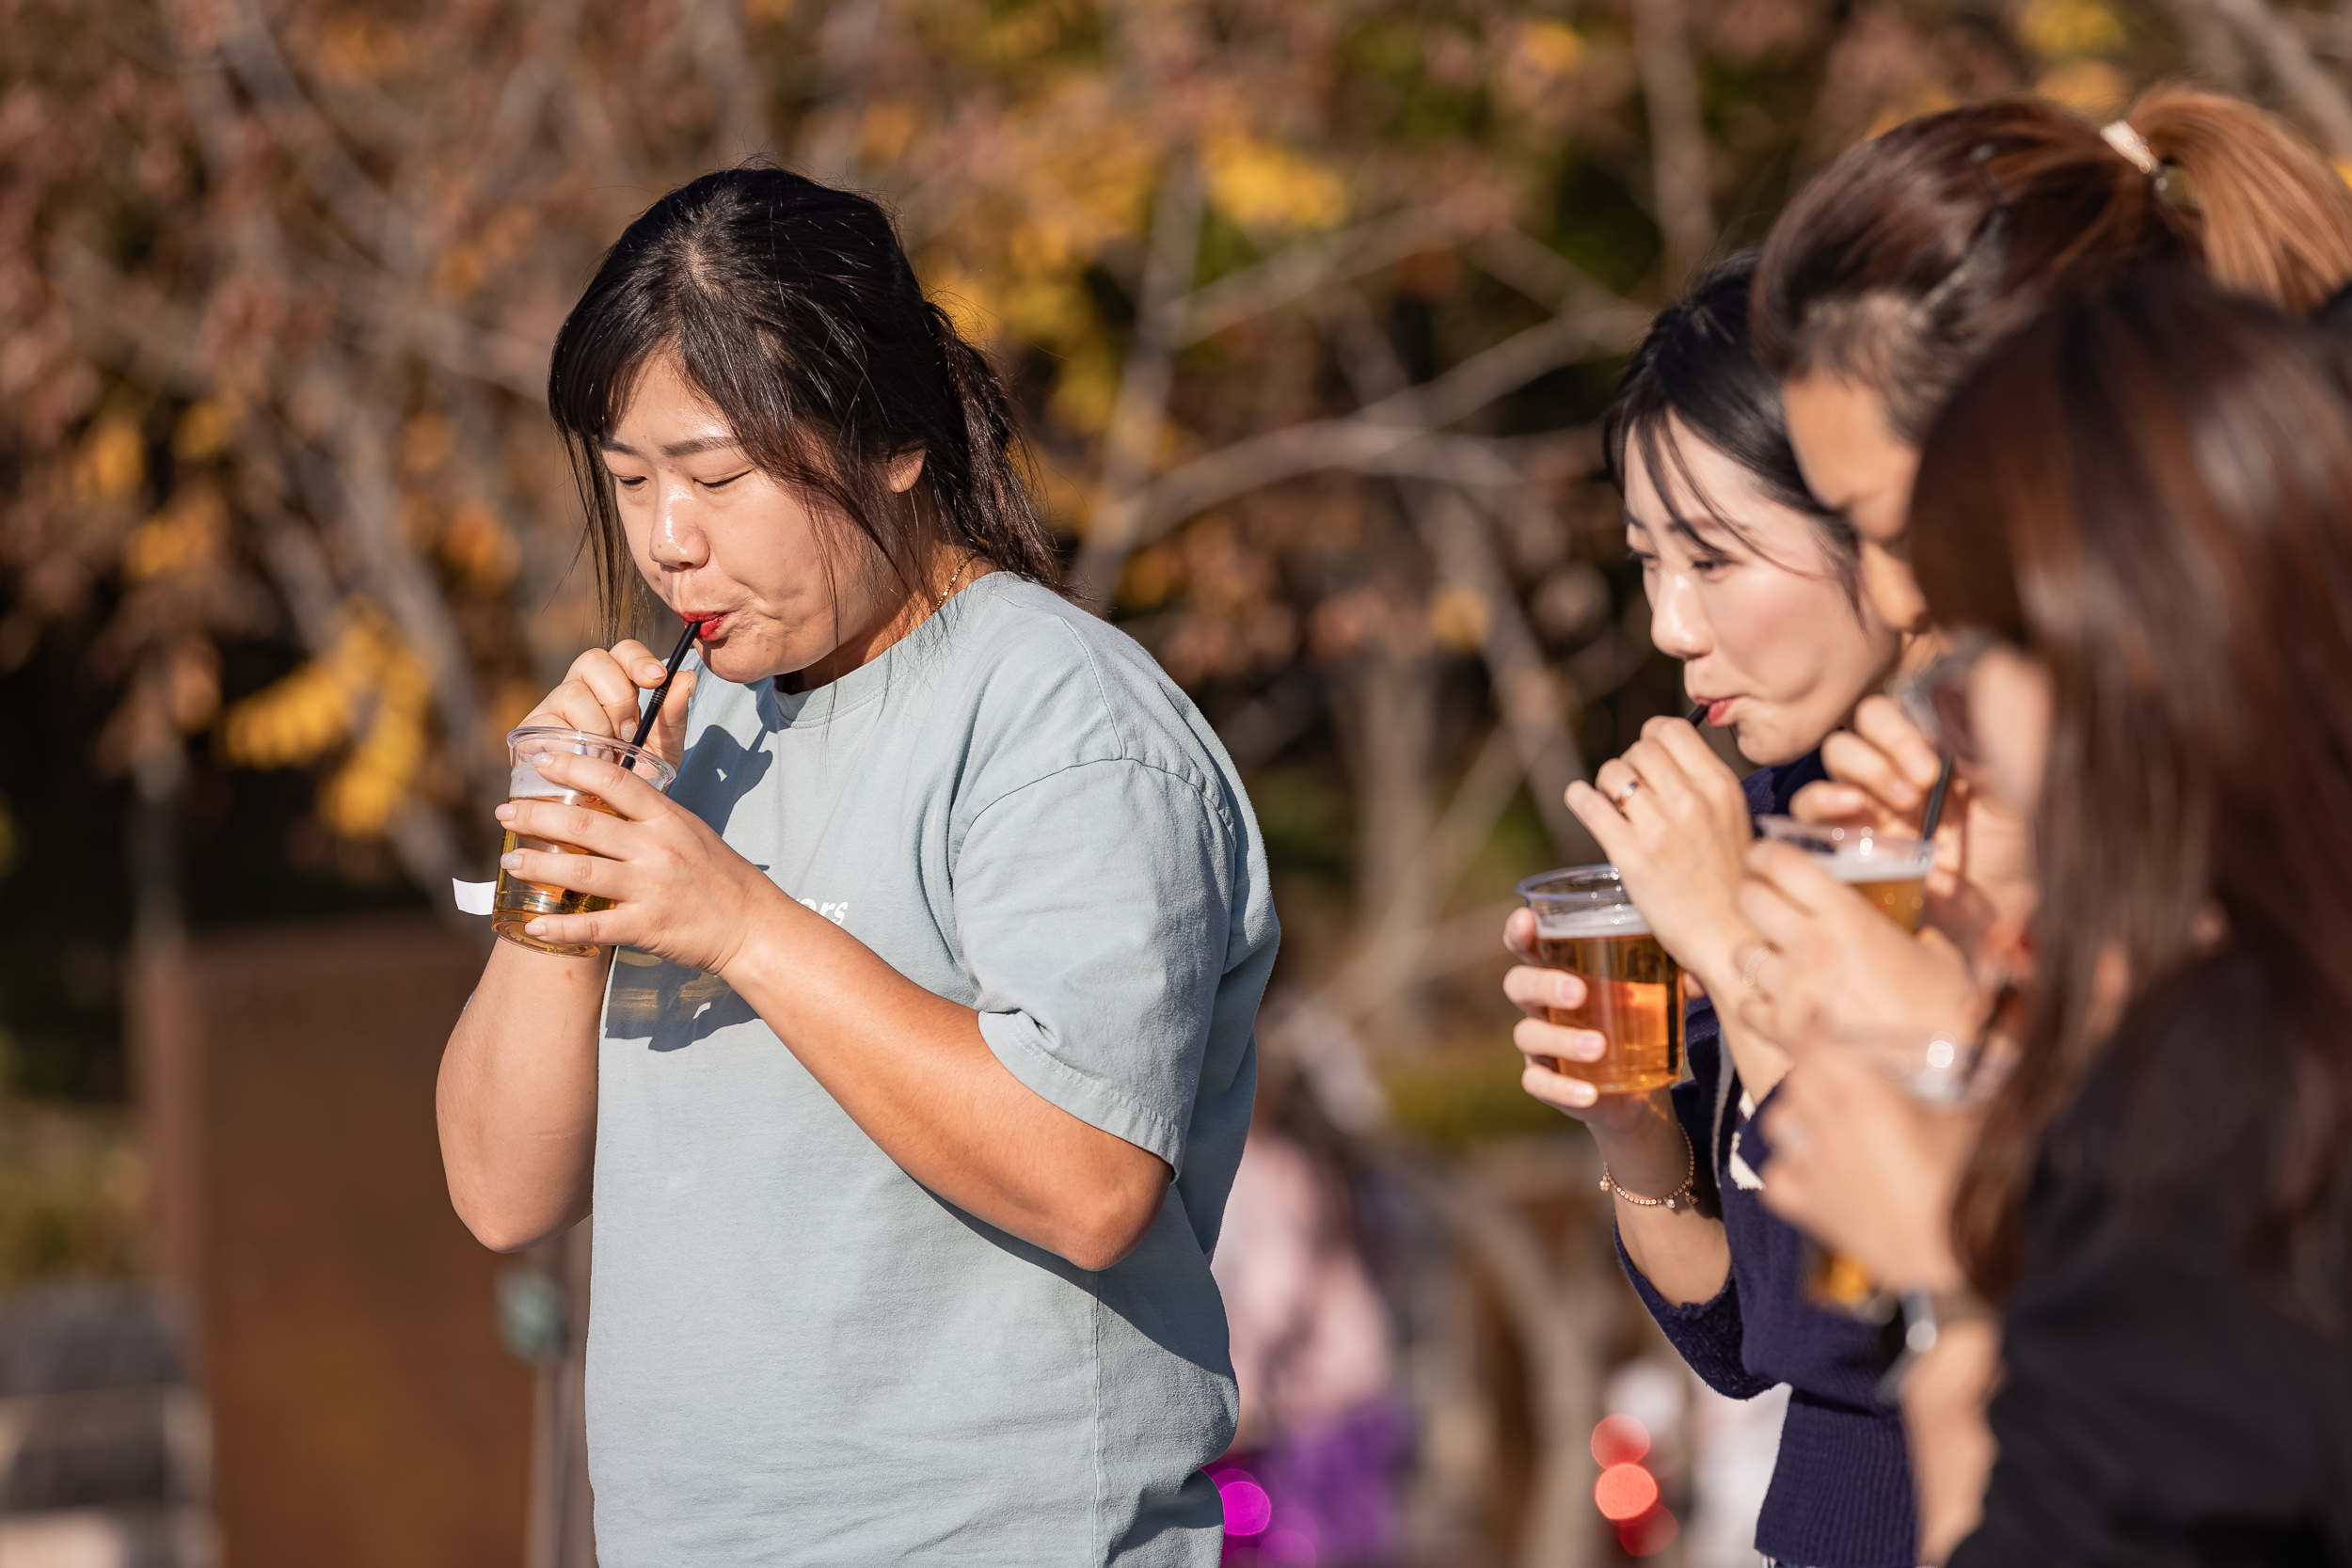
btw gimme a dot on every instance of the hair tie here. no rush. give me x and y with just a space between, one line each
2132 145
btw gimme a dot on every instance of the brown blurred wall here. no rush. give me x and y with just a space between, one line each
342 1320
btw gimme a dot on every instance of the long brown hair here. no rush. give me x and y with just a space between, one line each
2150 492
1912 255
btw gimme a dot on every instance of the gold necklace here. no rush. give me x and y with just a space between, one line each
950 589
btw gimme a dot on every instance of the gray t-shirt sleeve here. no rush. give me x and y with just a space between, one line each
1093 907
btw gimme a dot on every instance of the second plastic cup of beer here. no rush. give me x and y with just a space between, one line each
1888 869
518 903
1585 923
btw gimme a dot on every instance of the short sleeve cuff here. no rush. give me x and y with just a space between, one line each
1015 1040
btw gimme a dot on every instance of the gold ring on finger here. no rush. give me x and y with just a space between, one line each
1621 797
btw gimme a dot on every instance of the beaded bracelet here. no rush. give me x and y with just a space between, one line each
1682 1198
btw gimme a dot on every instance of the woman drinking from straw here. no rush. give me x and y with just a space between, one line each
909 1109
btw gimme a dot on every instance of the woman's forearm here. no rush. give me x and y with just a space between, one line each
1951 1445
517 1097
912 1071
1681 1252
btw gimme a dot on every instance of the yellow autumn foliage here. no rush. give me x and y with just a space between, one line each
1260 185
203 432
1553 48
2092 88
360 798
184 535
2059 29
300 718
1460 617
111 462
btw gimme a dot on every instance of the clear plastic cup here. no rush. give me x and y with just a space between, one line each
1888 869
1585 923
516 902
1936 1067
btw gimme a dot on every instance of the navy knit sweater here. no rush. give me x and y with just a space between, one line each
1841 1491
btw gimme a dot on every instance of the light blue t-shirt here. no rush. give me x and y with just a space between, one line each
796 1354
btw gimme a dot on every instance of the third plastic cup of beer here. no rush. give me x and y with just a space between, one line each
516 902
1585 923
1934 1067
1888 869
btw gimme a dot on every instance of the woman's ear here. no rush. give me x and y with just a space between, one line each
905 469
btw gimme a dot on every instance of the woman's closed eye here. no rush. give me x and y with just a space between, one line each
722 484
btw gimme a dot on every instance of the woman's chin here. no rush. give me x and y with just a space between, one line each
1767 745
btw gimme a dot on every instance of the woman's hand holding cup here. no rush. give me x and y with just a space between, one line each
1880 775
1674 820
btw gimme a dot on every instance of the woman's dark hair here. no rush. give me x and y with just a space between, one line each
1911 256
2148 492
1696 368
792 308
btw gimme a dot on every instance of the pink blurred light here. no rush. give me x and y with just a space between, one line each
1248 1508
1624 1492
1619 1440
1649 1534
1288 1546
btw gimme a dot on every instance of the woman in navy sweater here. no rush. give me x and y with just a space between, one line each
1752 584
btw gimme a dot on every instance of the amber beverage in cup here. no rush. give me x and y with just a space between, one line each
1888 869
1587 924
1935 1069
517 903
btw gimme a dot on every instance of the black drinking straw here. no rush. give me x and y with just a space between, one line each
1698 711
1935 798
653 710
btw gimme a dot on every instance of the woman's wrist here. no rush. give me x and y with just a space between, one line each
1717 952
1647 1155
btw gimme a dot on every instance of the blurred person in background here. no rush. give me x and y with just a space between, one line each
2136 517
1322 1429
908 1110
1752 585
1893 272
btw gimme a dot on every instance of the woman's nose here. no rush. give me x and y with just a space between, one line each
1677 625
679 543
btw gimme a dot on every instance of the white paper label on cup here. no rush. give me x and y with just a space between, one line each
473 898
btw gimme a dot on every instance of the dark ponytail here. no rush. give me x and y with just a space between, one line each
792 308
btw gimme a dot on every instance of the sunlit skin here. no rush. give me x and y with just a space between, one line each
720 539
1856 465
716 536
1767 635
1872 1172
1773 643
1882 769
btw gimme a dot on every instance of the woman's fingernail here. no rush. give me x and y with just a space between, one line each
649 670
506 813
512 861
536 929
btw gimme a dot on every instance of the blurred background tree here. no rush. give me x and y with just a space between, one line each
1311 305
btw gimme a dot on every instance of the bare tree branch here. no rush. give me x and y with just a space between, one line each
1297 271
2299 72
1561 1314
2212 50
1365 440
1130 448
1678 135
